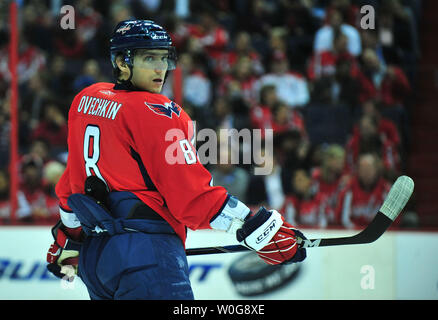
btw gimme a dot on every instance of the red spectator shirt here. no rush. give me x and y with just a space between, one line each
324 64
55 135
388 153
329 190
139 142
392 91
387 128
309 212
261 118
357 207
227 60
295 121
246 87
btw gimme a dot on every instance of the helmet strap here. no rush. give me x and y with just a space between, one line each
129 59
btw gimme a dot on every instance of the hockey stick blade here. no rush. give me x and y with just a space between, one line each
394 203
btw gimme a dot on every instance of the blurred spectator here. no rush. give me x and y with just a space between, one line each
5 208
197 88
277 42
31 60
179 30
348 84
32 205
302 25
385 126
52 127
259 18
87 23
327 120
68 43
38 24
387 84
119 11
34 96
241 82
227 114
291 86
361 199
261 115
210 35
286 119
242 47
370 41
293 151
23 123
325 35
331 177
323 63
367 139
41 148
91 74
266 190
398 34
228 175
222 116
60 82
52 172
305 206
348 9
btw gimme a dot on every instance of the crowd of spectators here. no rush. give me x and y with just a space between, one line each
337 96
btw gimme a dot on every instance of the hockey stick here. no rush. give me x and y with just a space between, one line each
394 203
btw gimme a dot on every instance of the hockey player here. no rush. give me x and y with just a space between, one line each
136 144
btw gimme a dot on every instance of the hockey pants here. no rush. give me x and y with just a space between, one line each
135 266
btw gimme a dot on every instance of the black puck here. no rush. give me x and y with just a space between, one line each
251 276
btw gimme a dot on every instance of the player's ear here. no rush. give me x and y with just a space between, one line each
123 67
121 63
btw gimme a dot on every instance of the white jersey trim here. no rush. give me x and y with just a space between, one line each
231 217
69 219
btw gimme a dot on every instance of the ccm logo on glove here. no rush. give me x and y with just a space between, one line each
266 233
259 229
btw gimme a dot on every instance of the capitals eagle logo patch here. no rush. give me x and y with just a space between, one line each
167 109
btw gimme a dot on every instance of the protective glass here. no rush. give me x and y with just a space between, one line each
155 59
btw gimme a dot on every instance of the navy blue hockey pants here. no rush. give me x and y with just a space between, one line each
135 265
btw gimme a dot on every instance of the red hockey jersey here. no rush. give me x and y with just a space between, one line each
356 206
311 212
143 143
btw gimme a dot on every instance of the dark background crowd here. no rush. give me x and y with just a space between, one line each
337 95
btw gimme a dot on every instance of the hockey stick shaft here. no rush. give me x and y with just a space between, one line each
394 203
370 234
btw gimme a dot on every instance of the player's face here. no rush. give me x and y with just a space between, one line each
150 67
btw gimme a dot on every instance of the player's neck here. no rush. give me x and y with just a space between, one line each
126 85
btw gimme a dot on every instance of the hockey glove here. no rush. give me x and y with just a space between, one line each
63 254
274 240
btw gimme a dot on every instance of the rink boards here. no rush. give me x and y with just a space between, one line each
400 265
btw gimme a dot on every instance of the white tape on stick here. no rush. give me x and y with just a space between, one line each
397 197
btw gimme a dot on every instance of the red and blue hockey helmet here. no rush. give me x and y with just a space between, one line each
130 35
